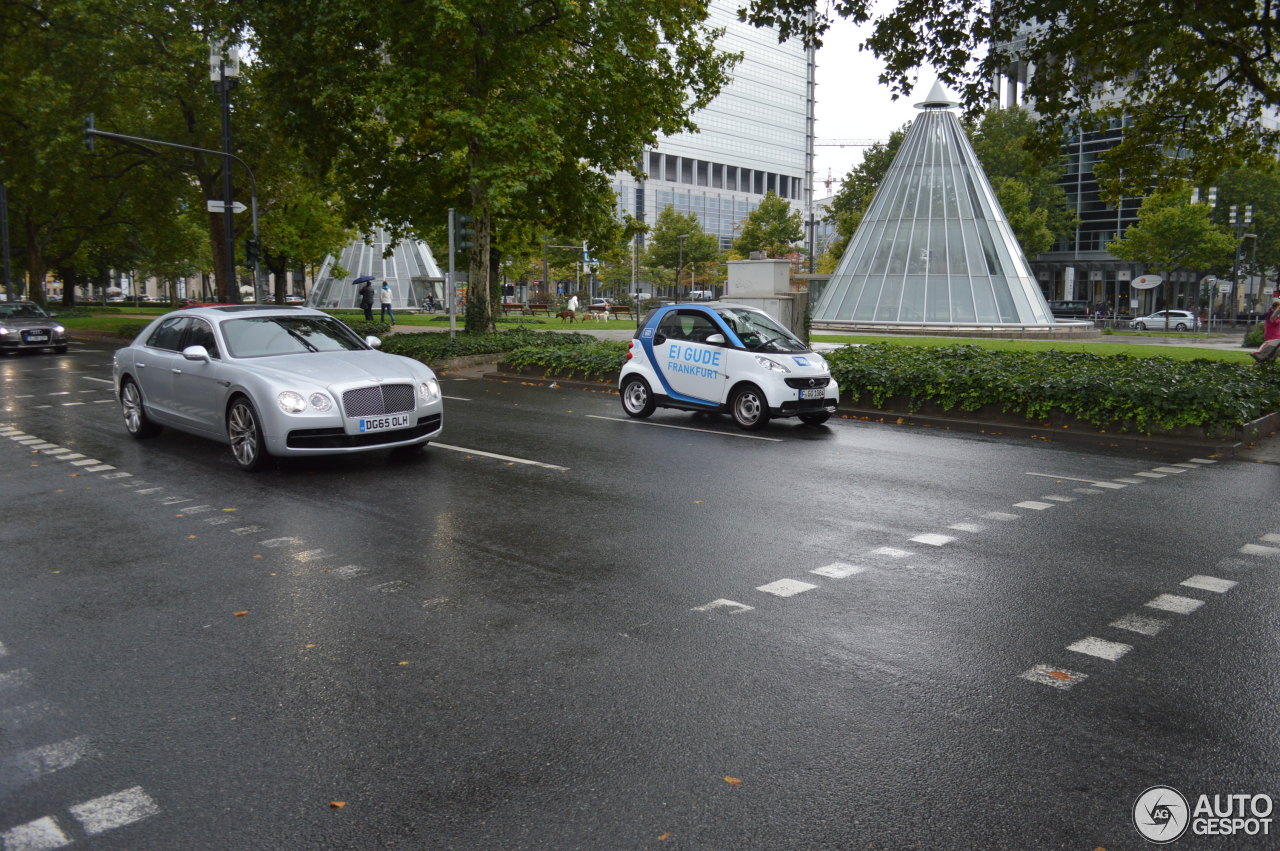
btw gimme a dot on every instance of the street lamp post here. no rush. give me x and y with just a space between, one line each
679 266
1239 223
224 71
4 243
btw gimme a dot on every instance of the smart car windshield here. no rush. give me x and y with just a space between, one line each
260 336
759 333
22 310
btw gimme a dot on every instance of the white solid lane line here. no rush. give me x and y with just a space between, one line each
685 428
103 380
510 458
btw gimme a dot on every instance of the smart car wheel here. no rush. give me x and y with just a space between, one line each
637 400
247 444
815 419
749 407
136 421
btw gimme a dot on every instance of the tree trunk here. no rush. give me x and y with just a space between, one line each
37 267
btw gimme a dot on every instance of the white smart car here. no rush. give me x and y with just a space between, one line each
727 358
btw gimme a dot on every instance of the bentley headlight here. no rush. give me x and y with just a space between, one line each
291 402
429 391
321 402
771 364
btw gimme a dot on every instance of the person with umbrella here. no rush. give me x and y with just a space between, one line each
366 296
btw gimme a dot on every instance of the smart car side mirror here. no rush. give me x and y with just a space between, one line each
373 342
196 353
716 340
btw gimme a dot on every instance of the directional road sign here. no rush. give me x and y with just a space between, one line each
221 206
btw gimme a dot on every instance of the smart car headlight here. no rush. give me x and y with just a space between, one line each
429 391
771 364
291 402
321 402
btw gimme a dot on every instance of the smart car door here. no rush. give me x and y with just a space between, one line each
692 369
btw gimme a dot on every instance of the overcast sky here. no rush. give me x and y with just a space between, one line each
853 105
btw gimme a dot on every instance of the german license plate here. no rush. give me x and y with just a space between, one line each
814 393
383 423
37 338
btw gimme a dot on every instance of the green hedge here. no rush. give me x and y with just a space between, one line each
433 346
1107 391
598 360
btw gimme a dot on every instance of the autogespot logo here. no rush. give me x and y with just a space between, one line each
1160 814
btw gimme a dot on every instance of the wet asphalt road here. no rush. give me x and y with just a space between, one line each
472 651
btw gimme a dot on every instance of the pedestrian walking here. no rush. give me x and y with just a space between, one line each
1270 333
384 301
366 301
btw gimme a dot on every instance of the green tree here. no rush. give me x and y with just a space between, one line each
1197 77
773 227
512 112
1261 189
1173 234
1037 208
667 251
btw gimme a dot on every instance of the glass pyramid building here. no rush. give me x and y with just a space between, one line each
934 247
411 271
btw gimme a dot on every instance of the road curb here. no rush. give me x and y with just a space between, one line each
1074 434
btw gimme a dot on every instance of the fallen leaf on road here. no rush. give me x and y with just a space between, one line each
242 614
733 781
337 805
663 837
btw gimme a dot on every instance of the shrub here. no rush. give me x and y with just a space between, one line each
365 328
432 346
598 360
1253 337
1107 391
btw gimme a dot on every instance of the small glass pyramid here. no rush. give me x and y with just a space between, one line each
934 246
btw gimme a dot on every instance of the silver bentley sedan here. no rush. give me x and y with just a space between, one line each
274 381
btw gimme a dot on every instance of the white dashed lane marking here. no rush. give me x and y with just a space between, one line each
111 811
933 540
838 570
1174 603
1003 516
1210 583
1139 624
732 606
1033 505
495 455
967 527
1103 649
1049 675
1259 550
891 552
786 587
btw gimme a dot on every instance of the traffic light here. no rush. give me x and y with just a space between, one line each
89 139
464 231
252 251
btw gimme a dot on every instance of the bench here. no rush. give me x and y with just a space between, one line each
598 311
510 308
539 310
621 310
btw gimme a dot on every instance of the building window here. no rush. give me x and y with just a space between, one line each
717 176
655 165
771 184
702 172
759 182
731 177
672 167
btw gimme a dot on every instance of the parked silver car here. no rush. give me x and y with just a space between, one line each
26 325
274 381
1178 320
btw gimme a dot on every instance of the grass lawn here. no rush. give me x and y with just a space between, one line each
1137 350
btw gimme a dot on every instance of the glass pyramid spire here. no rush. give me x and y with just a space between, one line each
934 246
410 269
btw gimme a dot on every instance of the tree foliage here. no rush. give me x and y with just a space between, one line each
774 228
1173 234
513 112
1194 76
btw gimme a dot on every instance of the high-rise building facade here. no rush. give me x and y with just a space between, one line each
756 137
